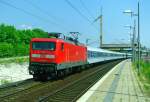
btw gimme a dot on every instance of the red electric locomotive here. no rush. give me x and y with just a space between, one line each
55 56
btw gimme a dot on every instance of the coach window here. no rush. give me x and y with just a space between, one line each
62 46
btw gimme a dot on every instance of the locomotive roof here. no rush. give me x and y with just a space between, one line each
56 40
46 39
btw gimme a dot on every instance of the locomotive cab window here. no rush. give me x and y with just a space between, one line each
43 46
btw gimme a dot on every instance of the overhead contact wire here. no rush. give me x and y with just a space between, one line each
43 11
85 7
29 13
83 16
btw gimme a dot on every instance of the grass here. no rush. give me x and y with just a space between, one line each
14 60
144 75
4 81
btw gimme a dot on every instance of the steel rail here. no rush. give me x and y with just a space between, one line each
74 90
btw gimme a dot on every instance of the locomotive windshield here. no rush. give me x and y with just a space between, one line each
43 45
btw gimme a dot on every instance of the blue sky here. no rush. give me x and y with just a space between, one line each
59 16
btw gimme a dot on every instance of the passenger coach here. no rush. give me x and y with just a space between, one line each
96 55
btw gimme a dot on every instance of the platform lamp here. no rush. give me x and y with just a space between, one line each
138 37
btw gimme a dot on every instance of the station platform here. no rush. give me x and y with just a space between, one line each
120 84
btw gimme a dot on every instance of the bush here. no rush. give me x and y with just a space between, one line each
15 42
21 49
145 70
6 50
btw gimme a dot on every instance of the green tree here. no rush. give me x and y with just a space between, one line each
6 50
15 42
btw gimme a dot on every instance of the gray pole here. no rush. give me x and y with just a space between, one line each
87 40
132 44
138 38
134 37
101 28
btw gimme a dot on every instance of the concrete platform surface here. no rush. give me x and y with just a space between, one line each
119 85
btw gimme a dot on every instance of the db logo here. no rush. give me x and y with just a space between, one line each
42 56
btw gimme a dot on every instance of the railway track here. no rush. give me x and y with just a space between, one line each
63 90
74 90
17 87
14 84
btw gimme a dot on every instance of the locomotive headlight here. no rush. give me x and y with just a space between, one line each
35 55
50 56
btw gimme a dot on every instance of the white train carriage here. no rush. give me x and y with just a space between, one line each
98 55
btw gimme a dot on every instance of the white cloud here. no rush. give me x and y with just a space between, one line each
25 26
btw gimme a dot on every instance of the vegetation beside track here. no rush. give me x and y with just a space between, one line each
144 75
14 60
4 81
15 42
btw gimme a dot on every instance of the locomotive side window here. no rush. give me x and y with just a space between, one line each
43 45
62 46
